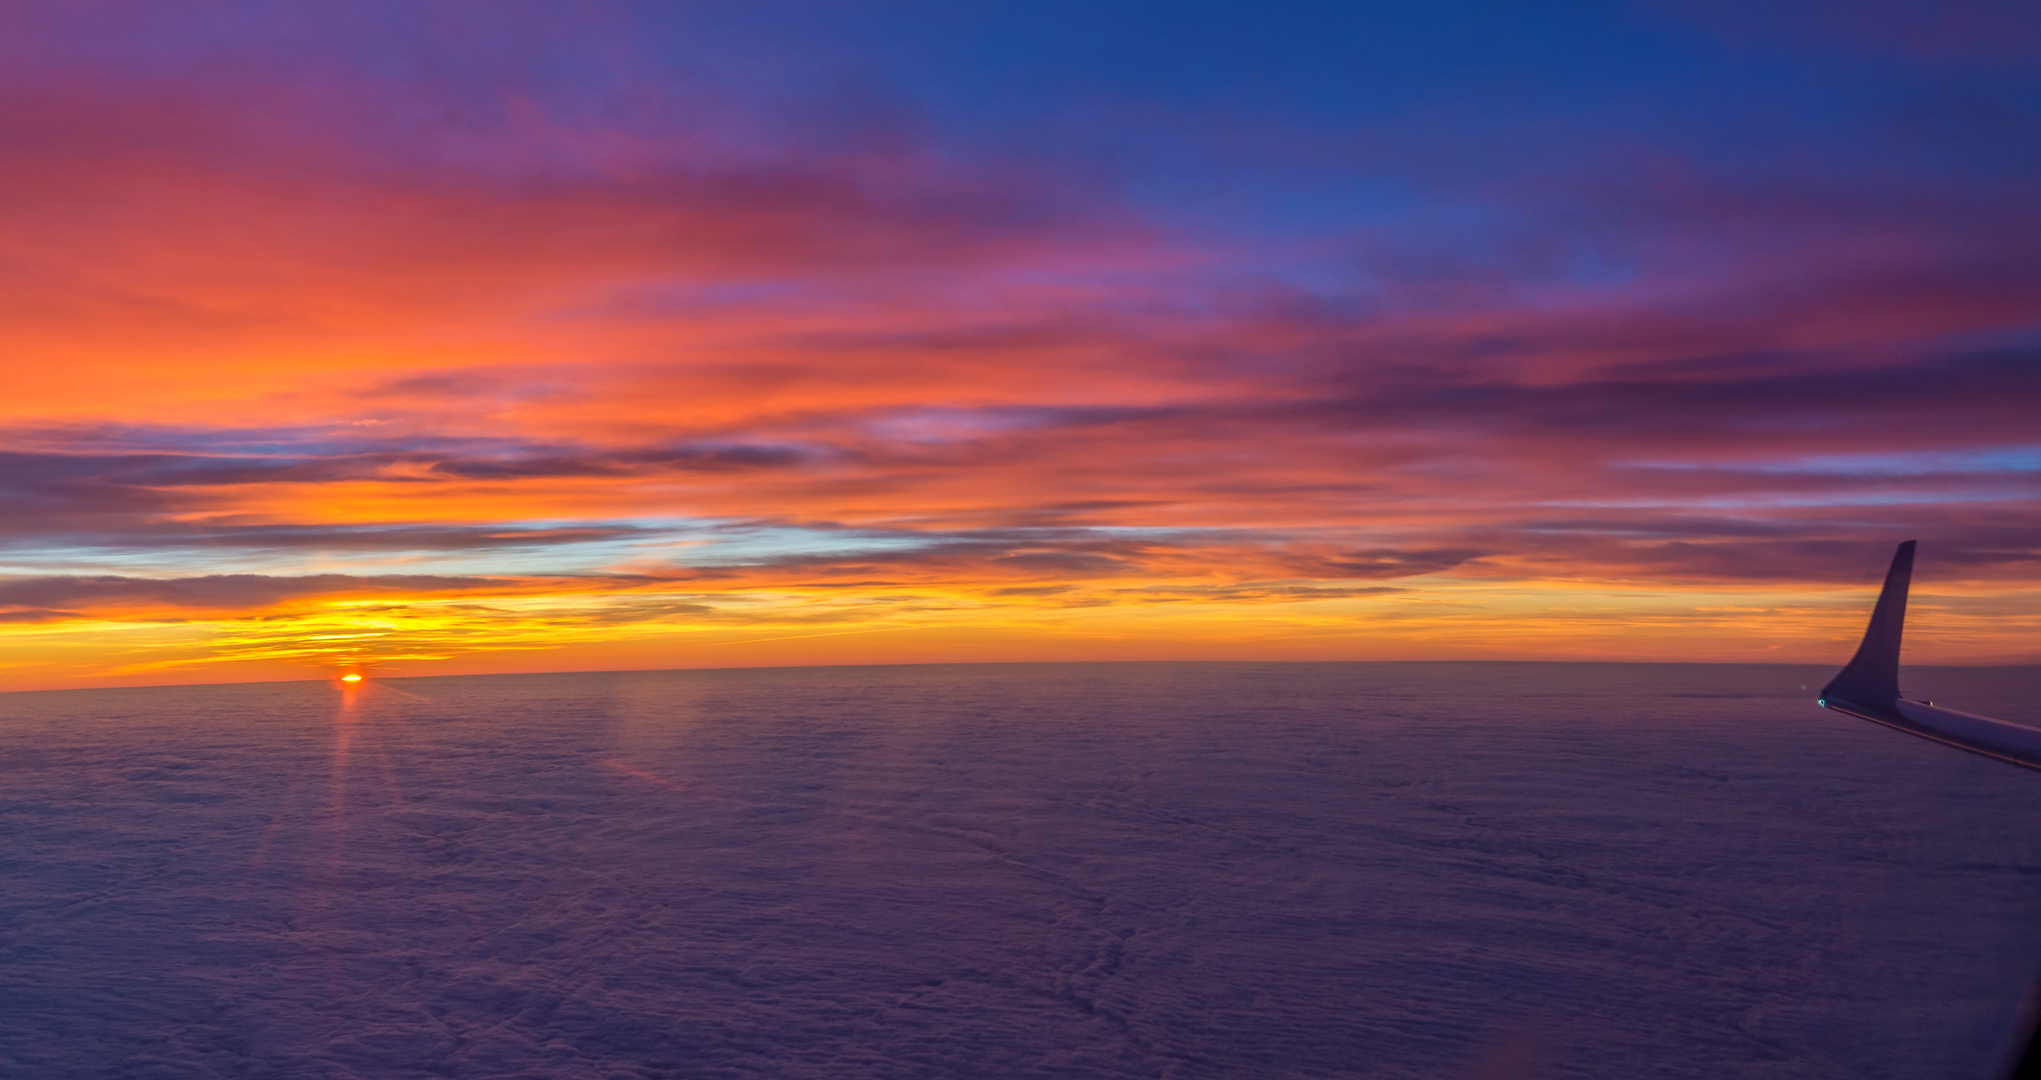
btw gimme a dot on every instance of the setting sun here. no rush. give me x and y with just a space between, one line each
350 678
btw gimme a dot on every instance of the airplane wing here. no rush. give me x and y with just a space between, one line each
1868 687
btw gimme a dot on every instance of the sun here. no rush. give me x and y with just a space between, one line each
350 677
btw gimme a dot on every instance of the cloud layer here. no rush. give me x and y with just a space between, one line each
576 322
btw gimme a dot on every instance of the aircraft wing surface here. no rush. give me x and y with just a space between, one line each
1868 687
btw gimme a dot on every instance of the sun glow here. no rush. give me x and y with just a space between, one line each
350 678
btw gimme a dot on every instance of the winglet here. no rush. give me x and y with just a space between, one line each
1871 679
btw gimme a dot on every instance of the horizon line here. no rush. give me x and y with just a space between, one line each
979 663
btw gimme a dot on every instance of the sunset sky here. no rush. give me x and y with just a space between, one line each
419 338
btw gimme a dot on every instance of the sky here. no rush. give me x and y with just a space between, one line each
416 338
